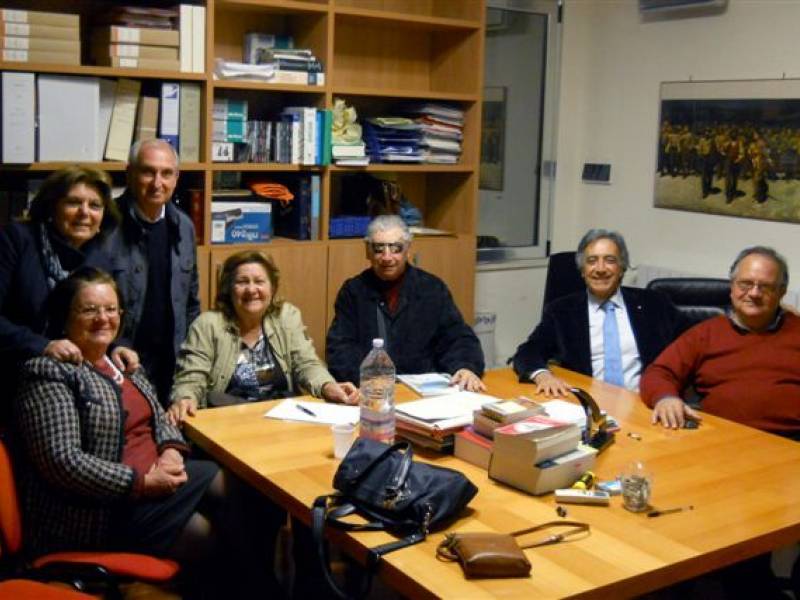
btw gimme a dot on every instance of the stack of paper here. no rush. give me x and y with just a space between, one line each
432 422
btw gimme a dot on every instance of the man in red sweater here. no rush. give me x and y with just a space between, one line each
746 365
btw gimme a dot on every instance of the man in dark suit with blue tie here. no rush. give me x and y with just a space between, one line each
608 332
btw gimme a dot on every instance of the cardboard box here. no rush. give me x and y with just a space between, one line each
235 222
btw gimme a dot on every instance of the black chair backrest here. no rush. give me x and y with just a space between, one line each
563 277
698 298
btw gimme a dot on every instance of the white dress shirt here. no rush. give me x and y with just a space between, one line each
631 362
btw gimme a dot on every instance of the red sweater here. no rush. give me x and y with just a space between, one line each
752 378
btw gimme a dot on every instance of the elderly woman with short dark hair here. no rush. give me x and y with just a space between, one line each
69 217
252 347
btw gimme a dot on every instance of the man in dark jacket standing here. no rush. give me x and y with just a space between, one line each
155 262
409 308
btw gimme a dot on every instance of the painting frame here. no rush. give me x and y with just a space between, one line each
730 148
493 138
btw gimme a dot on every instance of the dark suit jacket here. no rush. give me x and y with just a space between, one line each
562 336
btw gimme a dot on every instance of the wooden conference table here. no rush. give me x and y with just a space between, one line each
743 484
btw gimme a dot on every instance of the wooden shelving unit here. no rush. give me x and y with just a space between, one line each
375 53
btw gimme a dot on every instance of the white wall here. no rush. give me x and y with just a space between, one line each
515 296
612 65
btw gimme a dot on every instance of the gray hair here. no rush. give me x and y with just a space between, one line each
138 146
385 223
592 236
767 252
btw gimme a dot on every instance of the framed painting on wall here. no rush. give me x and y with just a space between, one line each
730 148
493 138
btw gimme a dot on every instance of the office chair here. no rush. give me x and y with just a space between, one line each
563 277
697 298
76 568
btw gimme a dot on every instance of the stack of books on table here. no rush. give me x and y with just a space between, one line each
40 37
433 422
539 454
474 443
151 38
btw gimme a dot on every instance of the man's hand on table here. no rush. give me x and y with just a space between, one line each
672 413
550 385
467 380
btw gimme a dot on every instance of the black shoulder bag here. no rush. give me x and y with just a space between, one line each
384 485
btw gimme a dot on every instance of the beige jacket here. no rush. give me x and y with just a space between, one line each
207 358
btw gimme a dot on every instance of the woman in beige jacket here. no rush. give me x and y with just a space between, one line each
252 347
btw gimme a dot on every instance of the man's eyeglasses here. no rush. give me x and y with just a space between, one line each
92 312
381 247
745 285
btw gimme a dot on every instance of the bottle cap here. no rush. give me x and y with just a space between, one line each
377 343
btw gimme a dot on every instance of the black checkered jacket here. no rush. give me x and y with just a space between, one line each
71 422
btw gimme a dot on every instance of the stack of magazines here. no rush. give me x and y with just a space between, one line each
441 128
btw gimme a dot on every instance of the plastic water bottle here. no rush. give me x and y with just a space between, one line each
377 395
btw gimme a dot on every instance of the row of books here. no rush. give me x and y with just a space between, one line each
106 117
301 135
127 36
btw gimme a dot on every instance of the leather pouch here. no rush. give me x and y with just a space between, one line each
489 554
485 554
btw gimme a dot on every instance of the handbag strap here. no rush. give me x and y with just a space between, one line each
319 518
575 528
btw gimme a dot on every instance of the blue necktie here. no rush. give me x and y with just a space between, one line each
612 352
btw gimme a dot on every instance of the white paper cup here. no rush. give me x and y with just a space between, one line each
342 439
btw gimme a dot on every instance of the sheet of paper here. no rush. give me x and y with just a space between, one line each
446 406
561 410
429 384
323 413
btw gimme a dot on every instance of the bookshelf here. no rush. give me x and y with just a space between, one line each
375 53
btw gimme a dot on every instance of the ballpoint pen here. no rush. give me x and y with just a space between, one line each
309 412
668 511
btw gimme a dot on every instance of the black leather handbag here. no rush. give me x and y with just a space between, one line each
385 486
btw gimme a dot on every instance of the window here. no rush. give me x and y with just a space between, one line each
517 171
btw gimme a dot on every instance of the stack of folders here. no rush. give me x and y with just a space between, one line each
393 139
136 47
474 444
433 422
229 120
40 37
442 127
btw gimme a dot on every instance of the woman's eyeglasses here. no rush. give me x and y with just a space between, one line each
91 311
